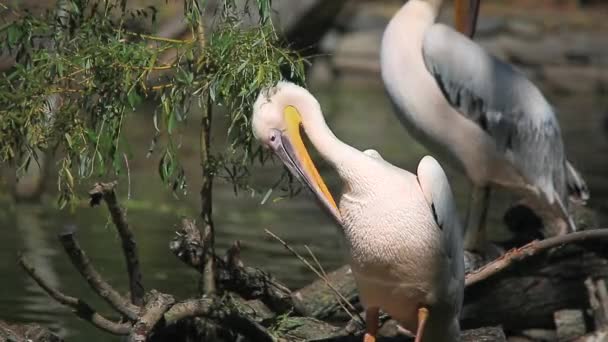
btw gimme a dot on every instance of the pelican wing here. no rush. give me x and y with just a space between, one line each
438 194
502 102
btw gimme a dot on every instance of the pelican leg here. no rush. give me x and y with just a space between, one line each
371 324
423 314
475 233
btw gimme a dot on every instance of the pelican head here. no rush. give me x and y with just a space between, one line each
466 12
276 123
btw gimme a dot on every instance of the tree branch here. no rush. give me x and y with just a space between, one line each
157 305
101 287
248 282
81 308
223 310
532 248
208 268
129 246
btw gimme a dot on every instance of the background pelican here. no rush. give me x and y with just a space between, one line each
479 112
403 232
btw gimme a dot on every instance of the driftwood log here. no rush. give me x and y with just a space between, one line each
541 286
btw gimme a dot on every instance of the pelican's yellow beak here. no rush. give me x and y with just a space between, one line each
294 155
466 12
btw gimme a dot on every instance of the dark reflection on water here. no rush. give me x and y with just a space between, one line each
358 113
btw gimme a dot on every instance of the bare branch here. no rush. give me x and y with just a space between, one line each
81 308
187 245
190 308
248 282
222 310
129 246
101 287
156 306
209 285
532 248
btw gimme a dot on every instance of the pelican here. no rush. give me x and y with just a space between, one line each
479 113
402 230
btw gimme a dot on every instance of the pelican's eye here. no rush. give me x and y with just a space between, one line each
273 140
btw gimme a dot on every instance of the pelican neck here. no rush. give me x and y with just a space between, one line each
332 149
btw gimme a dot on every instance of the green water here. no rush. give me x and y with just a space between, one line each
357 111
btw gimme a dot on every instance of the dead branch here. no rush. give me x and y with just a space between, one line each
532 248
225 310
82 263
248 282
187 245
129 246
157 305
527 295
81 308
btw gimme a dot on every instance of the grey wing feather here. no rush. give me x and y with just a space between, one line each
438 193
504 103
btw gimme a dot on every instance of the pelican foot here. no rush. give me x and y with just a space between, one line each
423 314
371 324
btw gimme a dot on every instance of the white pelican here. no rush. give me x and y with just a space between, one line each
403 232
478 112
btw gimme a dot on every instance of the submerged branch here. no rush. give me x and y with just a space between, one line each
82 263
129 246
81 308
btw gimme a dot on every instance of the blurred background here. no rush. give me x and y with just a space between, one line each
562 45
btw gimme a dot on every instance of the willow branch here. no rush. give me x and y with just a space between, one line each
81 308
101 287
531 249
129 246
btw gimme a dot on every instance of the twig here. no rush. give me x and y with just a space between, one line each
156 306
102 288
124 155
81 308
341 298
129 246
531 249
351 311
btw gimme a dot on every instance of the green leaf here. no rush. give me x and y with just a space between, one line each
134 99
